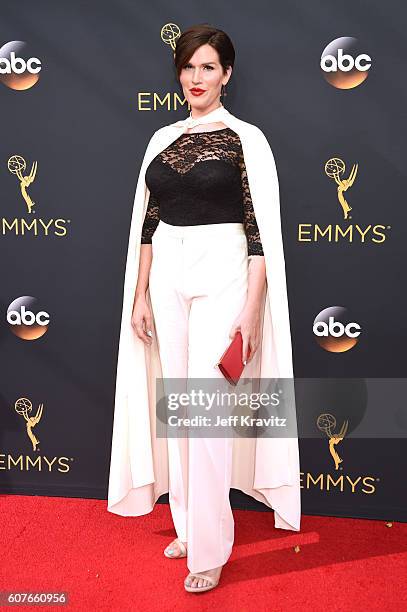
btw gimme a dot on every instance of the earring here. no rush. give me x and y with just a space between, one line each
222 95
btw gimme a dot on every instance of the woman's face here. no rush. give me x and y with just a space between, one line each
204 72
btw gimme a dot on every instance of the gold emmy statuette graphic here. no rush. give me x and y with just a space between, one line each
334 167
169 34
327 423
17 165
23 406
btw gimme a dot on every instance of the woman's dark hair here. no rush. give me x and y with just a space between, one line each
203 34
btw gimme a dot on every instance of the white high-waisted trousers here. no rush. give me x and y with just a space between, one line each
198 286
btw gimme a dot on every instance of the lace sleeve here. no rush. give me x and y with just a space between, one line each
254 246
151 220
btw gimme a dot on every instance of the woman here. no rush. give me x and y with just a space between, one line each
198 232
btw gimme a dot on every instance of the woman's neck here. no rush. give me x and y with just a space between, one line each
203 114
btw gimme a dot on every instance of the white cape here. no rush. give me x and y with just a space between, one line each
265 468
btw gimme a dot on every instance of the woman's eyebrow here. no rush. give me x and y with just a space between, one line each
203 63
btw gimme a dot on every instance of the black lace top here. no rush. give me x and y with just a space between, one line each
198 179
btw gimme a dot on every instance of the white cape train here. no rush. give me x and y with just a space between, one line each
267 469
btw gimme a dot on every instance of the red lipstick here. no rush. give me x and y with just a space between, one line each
196 91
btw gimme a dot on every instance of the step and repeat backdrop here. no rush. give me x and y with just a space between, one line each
82 88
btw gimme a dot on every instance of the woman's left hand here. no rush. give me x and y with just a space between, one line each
248 323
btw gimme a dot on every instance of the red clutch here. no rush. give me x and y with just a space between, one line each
231 362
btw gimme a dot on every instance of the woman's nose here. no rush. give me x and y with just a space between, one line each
196 77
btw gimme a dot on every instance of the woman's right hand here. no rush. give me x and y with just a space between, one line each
142 320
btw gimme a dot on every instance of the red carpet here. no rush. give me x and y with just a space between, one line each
107 562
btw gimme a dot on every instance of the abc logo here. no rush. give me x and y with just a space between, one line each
18 68
26 319
333 330
343 64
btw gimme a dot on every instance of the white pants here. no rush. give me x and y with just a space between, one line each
198 286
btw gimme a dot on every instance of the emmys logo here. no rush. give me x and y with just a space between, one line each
342 64
147 101
170 32
17 165
327 423
27 463
26 320
334 167
18 70
332 331
24 407
314 232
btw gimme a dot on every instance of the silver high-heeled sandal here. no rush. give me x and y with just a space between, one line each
182 548
212 583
